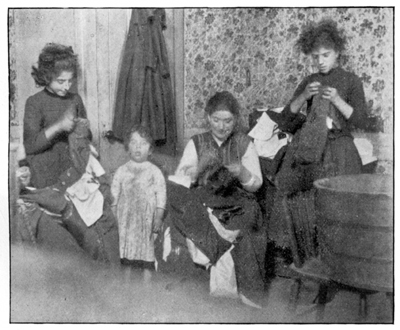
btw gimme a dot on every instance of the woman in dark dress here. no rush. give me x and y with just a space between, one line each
333 103
57 157
341 93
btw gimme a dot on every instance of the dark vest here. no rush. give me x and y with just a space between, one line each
211 156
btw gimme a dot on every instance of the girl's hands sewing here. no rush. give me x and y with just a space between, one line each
67 121
65 124
311 90
330 93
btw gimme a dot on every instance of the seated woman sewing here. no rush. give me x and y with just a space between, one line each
224 171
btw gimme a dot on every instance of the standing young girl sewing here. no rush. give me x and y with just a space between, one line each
50 114
139 193
322 146
325 143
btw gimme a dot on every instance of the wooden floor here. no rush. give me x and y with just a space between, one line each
48 288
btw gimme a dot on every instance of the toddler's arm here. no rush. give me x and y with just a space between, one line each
115 191
158 220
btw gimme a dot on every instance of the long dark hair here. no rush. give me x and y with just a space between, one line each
54 59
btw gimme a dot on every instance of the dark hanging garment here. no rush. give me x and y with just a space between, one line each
144 94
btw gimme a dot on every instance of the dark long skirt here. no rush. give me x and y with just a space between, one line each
340 157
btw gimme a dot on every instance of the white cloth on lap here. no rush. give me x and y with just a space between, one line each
85 193
365 150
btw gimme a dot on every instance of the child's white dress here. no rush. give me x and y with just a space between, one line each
138 189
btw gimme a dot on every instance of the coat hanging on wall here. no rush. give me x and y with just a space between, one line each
144 92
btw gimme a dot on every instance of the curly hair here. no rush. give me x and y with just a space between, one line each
322 34
53 60
144 133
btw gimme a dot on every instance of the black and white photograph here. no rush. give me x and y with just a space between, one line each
211 164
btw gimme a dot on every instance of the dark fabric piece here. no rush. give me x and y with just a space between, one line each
265 198
100 240
144 93
79 145
270 167
190 216
226 214
249 257
48 198
285 125
349 87
188 211
219 181
36 227
52 235
300 165
47 159
294 176
313 134
103 238
251 244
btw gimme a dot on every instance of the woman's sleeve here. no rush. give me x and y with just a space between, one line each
357 101
251 162
116 187
288 121
35 140
189 160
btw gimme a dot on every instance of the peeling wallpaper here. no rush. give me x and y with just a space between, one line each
250 52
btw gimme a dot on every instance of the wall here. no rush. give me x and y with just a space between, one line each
250 52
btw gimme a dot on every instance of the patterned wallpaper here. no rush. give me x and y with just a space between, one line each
250 52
